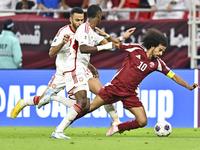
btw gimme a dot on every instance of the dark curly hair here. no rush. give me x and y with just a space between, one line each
152 38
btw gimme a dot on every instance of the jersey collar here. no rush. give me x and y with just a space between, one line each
71 28
89 25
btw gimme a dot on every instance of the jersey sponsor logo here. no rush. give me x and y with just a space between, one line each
138 56
151 64
81 79
53 86
55 40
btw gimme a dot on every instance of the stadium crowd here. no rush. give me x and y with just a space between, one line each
115 5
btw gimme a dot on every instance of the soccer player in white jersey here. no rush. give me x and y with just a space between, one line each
76 65
60 47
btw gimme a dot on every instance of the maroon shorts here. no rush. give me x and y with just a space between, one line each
112 94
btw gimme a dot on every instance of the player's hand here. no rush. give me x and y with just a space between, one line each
101 32
128 33
195 85
65 39
117 45
94 71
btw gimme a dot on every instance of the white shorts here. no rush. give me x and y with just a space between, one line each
57 82
77 81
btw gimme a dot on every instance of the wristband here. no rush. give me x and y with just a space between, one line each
121 38
105 47
107 36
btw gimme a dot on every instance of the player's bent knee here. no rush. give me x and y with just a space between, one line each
86 109
143 123
83 104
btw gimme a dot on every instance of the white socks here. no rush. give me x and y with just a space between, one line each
71 115
27 102
65 101
110 109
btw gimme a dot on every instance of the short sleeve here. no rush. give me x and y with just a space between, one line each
162 67
98 38
130 47
81 36
58 38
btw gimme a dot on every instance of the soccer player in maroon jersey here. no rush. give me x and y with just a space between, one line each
142 59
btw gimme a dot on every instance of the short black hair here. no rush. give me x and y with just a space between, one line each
77 10
93 10
153 37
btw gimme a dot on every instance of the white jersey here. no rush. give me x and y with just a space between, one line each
85 35
65 50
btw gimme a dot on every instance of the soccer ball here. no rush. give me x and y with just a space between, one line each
163 128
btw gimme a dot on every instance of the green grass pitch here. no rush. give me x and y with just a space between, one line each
38 138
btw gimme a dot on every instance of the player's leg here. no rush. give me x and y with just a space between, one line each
34 100
95 85
139 121
22 103
55 86
73 112
76 83
56 83
95 104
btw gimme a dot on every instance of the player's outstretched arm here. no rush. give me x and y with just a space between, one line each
182 82
55 49
116 40
90 49
128 33
107 36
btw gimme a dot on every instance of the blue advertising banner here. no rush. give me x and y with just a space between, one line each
162 98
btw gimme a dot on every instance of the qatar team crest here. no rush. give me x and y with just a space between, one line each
81 79
151 64
53 86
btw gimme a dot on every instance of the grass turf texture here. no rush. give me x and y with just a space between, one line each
38 138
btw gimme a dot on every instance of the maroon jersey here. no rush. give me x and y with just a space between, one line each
136 67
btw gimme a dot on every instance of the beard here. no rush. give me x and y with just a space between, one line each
154 58
75 27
